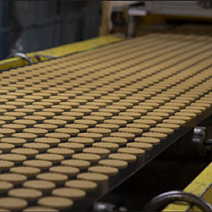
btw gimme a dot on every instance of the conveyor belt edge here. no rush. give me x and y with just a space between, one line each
200 186
61 50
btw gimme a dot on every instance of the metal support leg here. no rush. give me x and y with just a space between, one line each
131 27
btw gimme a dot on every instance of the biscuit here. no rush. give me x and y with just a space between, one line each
150 140
103 170
67 170
81 184
162 130
59 203
87 157
144 146
166 125
96 177
131 150
120 164
81 164
122 156
72 193
12 203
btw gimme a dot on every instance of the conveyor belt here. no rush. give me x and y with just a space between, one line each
75 127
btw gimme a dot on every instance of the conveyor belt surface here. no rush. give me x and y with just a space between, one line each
74 127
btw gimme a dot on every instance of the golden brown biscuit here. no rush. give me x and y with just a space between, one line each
41 164
12 203
27 171
145 121
174 121
162 130
96 150
59 203
13 178
123 135
67 170
122 156
120 164
144 146
49 157
149 140
81 164
81 140
5 186
74 146
53 177
87 157
5 165
72 193
133 151
103 170
61 151
105 145
119 122
103 131
41 185
166 125
81 184
96 177
184 118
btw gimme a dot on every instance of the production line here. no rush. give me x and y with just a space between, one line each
74 128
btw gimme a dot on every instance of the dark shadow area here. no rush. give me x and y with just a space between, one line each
161 175
29 26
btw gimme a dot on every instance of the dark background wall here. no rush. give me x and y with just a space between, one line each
27 26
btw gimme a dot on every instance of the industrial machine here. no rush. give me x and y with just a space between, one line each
117 124
154 14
